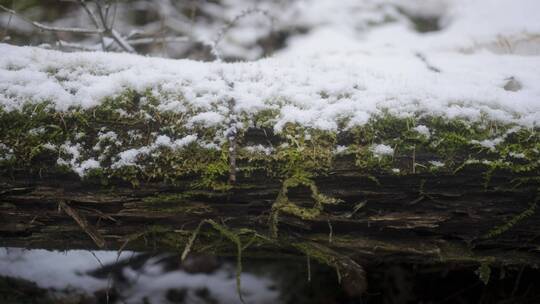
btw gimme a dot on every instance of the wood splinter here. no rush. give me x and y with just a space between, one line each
83 223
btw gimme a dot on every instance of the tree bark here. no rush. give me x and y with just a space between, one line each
417 218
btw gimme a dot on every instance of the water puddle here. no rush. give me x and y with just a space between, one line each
92 276
88 277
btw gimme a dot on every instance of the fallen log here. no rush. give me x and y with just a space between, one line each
137 171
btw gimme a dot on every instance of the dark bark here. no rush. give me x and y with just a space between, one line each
419 218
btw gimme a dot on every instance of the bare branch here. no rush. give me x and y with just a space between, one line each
99 18
430 67
121 41
81 47
91 14
232 23
44 27
107 8
95 20
172 18
112 32
75 46
115 7
104 14
140 41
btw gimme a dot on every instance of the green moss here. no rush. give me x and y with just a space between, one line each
32 139
300 152
343 265
263 119
283 204
174 203
175 198
315 253
484 272
215 172
511 222
305 152
452 142
133 119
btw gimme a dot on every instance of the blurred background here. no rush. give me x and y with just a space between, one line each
205 29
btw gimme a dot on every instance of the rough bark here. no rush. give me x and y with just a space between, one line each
419 218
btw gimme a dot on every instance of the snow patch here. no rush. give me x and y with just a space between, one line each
381 150
423 130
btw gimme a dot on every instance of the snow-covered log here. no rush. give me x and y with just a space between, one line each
349 158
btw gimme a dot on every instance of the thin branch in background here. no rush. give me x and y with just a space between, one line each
74 46
100 18
44 27
90 13
115 7
110 31
134 33
149 40
104 13
121 41
430 67
175 21
107 8
95 21
225 29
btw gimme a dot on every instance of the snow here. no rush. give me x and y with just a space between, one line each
517 155
341 69
208 119
110 135
436 163
501 26
7 152
357 60
87 165
81 167
489 143
382 150
129 157
423 130
315 91
259 149
340 149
